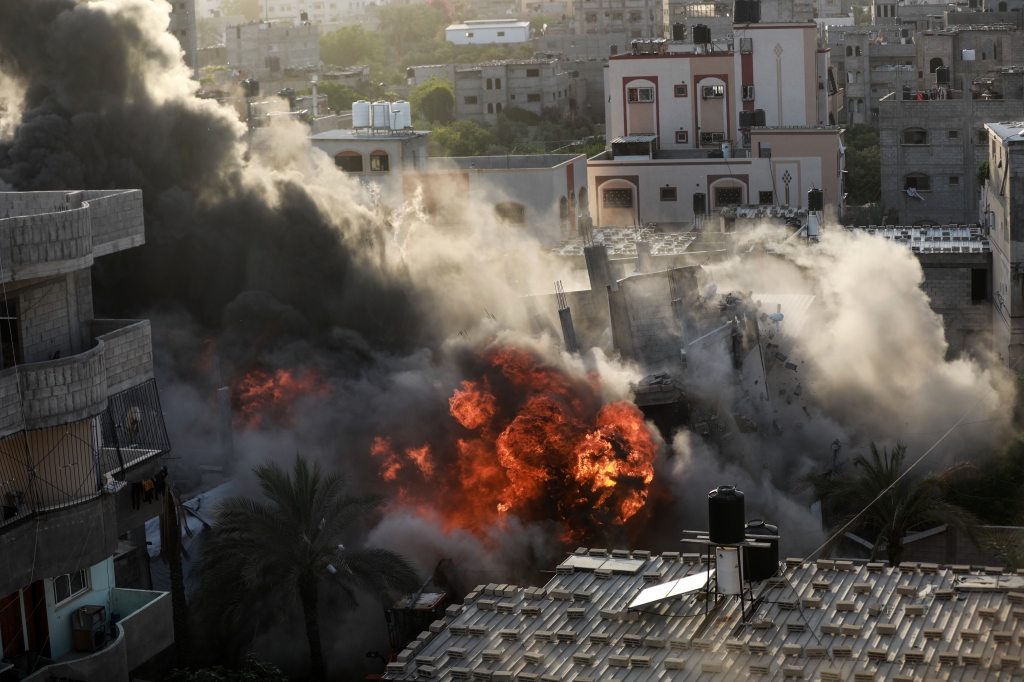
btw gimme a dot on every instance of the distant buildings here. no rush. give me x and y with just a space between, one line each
267 50
485 90
183 27
488 31
637 19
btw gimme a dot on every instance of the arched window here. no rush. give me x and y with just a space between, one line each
849 50
379 162
510 213
856 50
934 64
490 84
490 108
497 84
860 106
497 107
572 198
860 77
915 136
850 77
563 208
350 162
918 181
584 200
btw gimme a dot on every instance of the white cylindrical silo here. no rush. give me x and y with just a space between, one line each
361 114
401 115
381 117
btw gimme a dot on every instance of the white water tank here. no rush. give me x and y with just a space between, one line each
401 115
727 564
381 116
361 114
727 150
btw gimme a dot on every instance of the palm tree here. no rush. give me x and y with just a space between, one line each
909 505
289 545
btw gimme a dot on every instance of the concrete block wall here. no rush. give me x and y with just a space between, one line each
652 323
49 237
13 204
128 352
10 402
949 290
43 318
66 390
116 216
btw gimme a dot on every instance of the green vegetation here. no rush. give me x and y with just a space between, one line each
983 172
909 505
862 15
433 101
250 9
288 547
547 133
408 36
996 494
253 670
864 163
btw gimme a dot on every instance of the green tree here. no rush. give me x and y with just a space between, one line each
351 45
288 545
862 15
996 494
250 9
252 670
462 138
339 95
406 27
434 100
907 506
864 163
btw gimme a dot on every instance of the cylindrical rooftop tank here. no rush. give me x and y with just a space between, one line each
761 563
727 570
678 31
401 115
942 75
727 150
759 118
380 116
746 119
815 200
701 34
726 515
361 114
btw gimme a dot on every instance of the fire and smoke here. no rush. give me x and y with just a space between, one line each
261 395
527 439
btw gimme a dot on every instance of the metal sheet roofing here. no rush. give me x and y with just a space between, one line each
829 621
935 239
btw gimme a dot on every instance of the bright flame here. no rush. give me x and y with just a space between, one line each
262 396
532 440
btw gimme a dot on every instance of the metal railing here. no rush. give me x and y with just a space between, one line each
42 470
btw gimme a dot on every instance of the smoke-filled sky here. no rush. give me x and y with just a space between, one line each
275 261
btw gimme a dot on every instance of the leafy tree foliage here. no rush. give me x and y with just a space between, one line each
434 101
461 138
864 163
351 45
250 9
883 514
996 494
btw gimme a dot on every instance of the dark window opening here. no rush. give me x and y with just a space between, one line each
350 162
490 108
497 84
533 73
490 84
379 162
681 90
533 98
511 213
668 193
918 181
682 137
915 136
728 196
979 285
470 99
618 198
935 63
10 346
766 197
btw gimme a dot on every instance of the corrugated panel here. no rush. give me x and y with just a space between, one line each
892 630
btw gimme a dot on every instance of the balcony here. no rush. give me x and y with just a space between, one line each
52 233
145 629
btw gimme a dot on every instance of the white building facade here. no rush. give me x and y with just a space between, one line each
486 32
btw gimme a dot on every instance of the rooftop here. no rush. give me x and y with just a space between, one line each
485 23
1008 131
506 62
825 620
504 162
621 242
362 134
935 239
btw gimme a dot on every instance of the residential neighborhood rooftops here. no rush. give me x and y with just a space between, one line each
824 620
936 239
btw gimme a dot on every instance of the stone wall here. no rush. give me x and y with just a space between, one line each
66 390
117 220
652 324
128 352
43 319
947 282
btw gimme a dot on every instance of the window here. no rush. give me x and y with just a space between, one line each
766 197
712 91
711 138
70 585
490 108
668 193
953 134
497 84
533 98
618 198
497 107
954 181
501 34
748 92
379 162
682 137
469 34
849 51
563 208
915 136
982 137
728 196
640 94
533 73
490 84
918 181
617 16
635 16
934 64
979 285
10 344
511 213
469 99
681 90
350 162
856 51
591 17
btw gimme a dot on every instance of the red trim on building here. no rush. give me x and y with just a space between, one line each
724 77
746 77
657 103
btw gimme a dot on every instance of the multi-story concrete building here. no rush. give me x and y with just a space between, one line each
585 46
869 61
267 50
637 19
485 90
80 430
313 11
717 16
183 27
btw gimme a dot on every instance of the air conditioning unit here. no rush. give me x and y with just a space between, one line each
712 91
746 45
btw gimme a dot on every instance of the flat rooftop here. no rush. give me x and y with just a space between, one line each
621 242
825 620
360 134
487 23
1008 131
934 239
510 162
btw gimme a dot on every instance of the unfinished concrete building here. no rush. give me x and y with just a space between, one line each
870 63
269 51
637 19
485 90
80 433
183 27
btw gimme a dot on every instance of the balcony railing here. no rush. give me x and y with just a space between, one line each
42 470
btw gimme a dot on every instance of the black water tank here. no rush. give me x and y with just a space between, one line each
754 8
678 31
699 203
725 515
759 119
942 75
303 16
815 200
761 563
613 50
701 34
746 118
741 12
